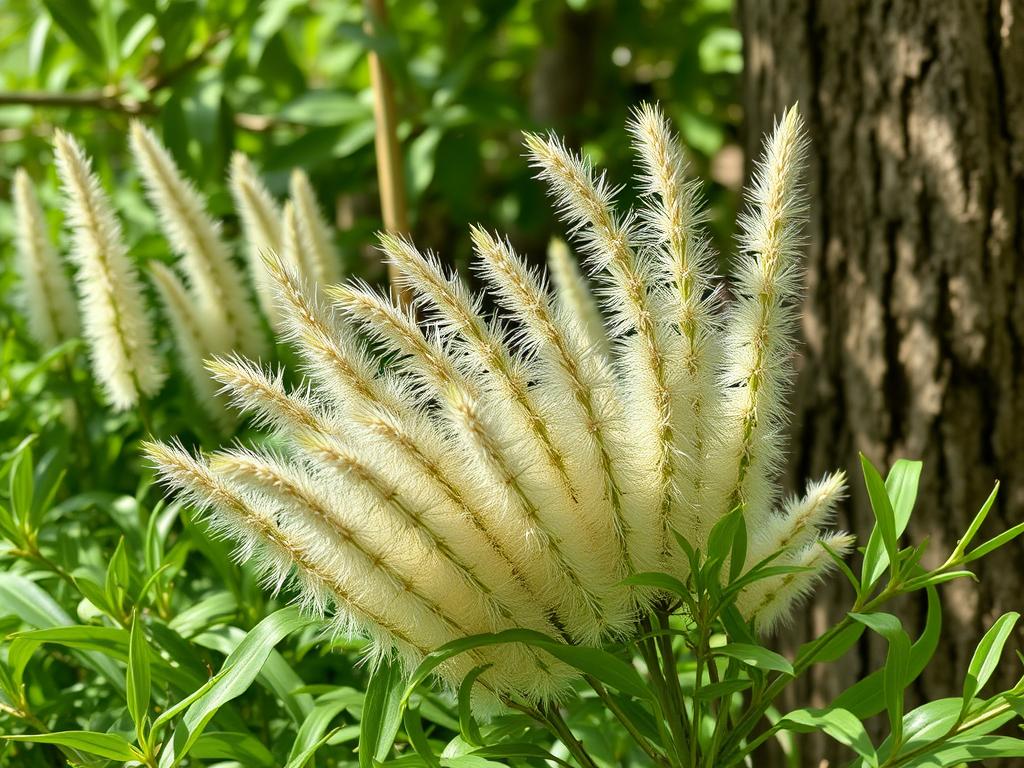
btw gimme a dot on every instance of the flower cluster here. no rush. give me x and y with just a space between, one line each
443 473
205 297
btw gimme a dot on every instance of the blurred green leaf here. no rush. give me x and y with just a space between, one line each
108 745
137 684
242 666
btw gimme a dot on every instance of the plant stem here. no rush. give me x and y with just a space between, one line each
670 672
390 177
664 714
561 728
629 725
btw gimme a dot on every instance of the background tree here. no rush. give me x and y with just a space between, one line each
915 315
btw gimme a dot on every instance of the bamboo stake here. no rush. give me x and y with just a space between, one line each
390 177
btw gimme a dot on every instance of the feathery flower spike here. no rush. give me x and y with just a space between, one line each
230 321
471 475
190 342
586 202
759 336
574 296
46 295
683 260
314 233
261 225
114 317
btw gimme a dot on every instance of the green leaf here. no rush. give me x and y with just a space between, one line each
897 663
901 487
117 576
601 664
138 678
216 606
663 582
986 655
76 19
32 605
975 525
885 624
994 543
276 675
988 748
243 665
841 725
382 715
884 534
933 721
866 697
311 733
836 646
108 745
172 712
896 672
755 656
523 750
467 723
22 486
723 535
417 738
239 748
324 108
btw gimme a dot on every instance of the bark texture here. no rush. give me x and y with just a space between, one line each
914 317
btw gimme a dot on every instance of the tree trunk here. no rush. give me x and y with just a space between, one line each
914 321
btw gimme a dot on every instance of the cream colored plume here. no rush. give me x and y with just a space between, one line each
190 342
314 234
46 295
113 308
575 298
261 226
443 471
229 320
760 327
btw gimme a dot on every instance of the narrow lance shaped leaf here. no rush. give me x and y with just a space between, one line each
138 681
986 656
884 534
975 525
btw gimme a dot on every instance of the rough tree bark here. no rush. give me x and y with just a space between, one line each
914 319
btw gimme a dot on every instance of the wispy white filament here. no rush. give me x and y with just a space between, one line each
114 317
46 295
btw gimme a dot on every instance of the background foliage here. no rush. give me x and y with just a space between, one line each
96 575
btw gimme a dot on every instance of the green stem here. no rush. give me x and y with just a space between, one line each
650 656
629 725
561 729
698 681
670 672
732 750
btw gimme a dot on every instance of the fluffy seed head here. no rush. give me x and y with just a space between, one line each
261 225
115 322
46 296
474 473
229 320
314 233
